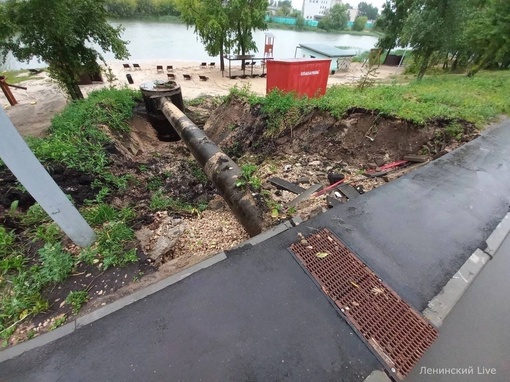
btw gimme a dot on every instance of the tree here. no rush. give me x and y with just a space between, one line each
300 22
284 8
134 8
211 22
368 10
393 18
431 28
487 35
145 7
245 17
359 23
469 34
60 32
225 24
121 8
295 13
336 18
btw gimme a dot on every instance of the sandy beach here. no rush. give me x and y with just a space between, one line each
43 99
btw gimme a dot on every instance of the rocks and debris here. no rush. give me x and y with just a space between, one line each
159 239
335 177
304 195
349 191
283 184
333 201
415 158
209 233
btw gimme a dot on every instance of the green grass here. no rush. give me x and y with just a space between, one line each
21 285
76 299
478 100
161 202
76 138
6 241
197 171
14 77
248 178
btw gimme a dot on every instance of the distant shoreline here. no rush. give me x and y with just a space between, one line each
177 20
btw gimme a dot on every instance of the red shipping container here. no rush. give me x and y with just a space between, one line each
305 76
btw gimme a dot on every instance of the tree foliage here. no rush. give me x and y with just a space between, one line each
431 28
460 34
141 8
60 33
336 18
245 17
300 22
367 10
284 8
224 25
393 18
210 20
359 23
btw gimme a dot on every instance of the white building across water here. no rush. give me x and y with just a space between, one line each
316 9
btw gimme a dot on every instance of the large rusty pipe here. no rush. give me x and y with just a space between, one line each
219 168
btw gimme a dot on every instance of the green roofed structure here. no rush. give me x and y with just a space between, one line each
340 58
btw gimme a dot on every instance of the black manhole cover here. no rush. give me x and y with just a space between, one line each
396 333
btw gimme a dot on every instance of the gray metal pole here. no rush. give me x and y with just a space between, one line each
32 175
222 170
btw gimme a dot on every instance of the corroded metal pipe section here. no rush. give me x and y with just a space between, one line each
220 169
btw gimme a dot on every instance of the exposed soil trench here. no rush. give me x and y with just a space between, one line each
317 145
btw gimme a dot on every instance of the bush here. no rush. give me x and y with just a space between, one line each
359 23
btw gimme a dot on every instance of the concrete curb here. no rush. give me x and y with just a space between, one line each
91 317
441 305
282 227
497 237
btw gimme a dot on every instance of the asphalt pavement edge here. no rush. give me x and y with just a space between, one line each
441 305
97 314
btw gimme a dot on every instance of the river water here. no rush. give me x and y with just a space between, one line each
151 40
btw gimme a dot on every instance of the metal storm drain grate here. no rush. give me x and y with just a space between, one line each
395 332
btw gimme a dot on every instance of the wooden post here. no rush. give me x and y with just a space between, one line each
8 94
24 165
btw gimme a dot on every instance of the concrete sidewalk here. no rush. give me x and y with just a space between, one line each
257 316
475 335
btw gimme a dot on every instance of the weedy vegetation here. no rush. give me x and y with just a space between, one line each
76 140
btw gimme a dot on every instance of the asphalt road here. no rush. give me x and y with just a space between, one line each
255 316
476 332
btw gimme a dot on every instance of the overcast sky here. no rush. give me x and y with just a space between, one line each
376 3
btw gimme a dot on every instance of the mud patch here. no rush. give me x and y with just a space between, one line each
72 182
